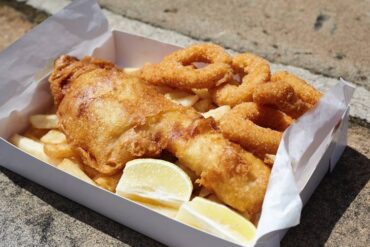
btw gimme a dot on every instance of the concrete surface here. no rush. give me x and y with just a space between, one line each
16 26
338 214
326 37
360 104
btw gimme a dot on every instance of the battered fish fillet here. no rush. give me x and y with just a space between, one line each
110 118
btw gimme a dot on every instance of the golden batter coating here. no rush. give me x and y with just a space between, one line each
256 128
110 118
254 70
178 69
303 90
282 96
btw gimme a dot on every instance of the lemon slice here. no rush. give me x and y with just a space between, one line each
156 182
218 220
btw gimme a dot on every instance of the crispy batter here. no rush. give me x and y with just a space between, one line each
102 113
110 118
177 69
254 70
281 95
236 176
256 128
303 90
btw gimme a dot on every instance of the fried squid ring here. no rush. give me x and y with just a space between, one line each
280 95
256 128
253 69
177 70
303 90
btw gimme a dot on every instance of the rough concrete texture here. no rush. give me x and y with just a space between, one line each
16 26
338 214
360 104
327 37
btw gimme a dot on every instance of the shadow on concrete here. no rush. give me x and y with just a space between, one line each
331 199
83 214
326 206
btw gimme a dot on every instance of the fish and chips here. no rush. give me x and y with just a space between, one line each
221 118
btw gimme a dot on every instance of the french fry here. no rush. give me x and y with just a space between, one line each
54 137
44 121
217 113
182 98
35 134
203 105
32 147
74 169
58 151
107 182
130 70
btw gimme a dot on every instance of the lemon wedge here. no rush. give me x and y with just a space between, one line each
155 182
218 220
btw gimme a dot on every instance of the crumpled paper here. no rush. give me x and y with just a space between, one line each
81 27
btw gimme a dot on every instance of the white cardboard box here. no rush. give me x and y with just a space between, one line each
309 149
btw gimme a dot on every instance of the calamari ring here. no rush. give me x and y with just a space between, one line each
303 90
255 70
256 128
174 70
280 95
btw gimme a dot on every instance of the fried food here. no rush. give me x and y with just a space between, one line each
44 121
110 118
32 147
282 96
74 169
107 182
256 128
177 69
253 70
303 90
35 134
203 105
217 113
104 114
54 137
182 98
236 176
59 150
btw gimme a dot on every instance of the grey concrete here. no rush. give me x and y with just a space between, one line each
338 214
360 105
16 26
326 37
